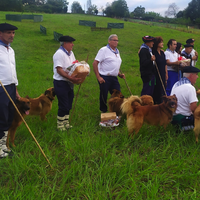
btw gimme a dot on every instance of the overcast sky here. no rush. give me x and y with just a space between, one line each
158 6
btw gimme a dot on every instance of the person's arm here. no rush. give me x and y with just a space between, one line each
96 71
73 79
173 63
144 57
193 106
166 73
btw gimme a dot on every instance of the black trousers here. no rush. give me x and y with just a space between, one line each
6 108
111 82
65 96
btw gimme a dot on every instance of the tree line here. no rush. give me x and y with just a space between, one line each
118 9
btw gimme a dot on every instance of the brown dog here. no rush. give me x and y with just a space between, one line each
117 99
23 105
158 115
42 104
197 122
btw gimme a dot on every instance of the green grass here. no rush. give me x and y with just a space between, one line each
91 162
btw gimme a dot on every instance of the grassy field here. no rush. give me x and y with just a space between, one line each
91 162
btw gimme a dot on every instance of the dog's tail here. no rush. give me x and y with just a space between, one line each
129 104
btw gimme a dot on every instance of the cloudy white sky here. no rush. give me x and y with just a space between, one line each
158 6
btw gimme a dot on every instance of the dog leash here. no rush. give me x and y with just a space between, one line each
126 83
26 125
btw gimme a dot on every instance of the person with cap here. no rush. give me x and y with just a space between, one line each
193 53
173 65
147 67
8 78
106 68
187 98
63 83
187 52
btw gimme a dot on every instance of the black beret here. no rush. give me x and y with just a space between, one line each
66 38
148 39
190 40
188 45
190 69
7 27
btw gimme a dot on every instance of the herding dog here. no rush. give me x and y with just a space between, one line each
117 99
158 115
42 104
23 105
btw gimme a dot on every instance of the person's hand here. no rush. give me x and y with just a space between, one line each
75 80
153 58
101 80
121 76
178 62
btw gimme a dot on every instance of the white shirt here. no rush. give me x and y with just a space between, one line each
172 57
8 73
109 62
186 94
61 59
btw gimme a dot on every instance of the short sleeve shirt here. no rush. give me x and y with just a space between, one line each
61 59
109 62
186 94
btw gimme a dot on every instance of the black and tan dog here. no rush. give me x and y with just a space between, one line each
158 115
42 104
23 105
117 98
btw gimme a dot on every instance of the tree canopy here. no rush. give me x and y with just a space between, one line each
49 6
76 7
117 9
138 12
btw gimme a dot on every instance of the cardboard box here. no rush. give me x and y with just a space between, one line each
107 116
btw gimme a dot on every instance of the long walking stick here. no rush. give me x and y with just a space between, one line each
77 96
26 124
160 78
126 83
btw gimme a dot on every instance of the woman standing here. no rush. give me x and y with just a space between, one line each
161 73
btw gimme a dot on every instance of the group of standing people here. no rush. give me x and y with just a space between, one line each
162 72
159 70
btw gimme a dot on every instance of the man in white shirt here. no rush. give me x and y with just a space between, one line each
106 68
187 98
63 83
173 64
8 77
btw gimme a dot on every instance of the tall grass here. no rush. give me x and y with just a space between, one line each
91 162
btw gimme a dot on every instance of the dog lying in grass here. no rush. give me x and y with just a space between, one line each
23 105
42 104
158 115
117 98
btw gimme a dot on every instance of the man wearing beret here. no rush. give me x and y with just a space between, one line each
187 98
147 67
63 83
8 77
174 74
106 68
187 52
193 53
